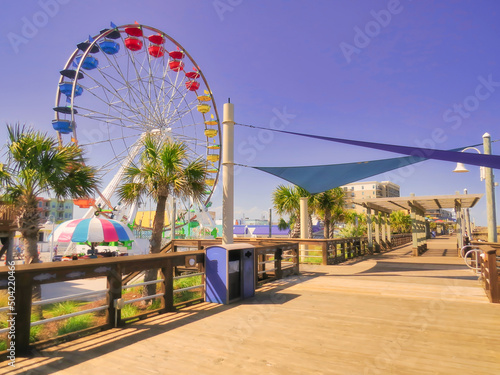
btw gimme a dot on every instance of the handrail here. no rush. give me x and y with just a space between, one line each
113 270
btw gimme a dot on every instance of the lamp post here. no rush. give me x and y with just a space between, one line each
487 175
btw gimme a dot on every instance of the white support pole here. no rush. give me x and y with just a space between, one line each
228 173
490 193
304 222
388 229
383 228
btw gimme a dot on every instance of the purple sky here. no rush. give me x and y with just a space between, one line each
403 72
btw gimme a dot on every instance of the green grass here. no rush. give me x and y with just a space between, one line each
62 308
187 282
4 298
189 294
76 323
311 260
35 332
3 345
155 304
129 311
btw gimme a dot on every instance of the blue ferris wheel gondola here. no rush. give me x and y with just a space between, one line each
109 47
89 63
62 126
67 88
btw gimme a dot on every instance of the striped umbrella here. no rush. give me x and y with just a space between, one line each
92 230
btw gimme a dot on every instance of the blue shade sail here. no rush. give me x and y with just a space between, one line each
318 178
481 160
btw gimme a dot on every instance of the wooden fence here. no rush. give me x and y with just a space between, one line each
21 280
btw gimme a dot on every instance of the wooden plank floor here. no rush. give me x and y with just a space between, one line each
387 314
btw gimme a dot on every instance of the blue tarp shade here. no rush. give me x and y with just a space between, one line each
318 178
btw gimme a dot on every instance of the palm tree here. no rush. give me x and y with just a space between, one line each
400 221
286 201
36 165
163 171
329 206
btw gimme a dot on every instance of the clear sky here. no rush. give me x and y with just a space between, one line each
406 72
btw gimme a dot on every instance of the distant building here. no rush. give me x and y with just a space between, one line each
368 190
58 210
439 214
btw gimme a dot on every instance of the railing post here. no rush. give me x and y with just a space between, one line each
167 274
324 252
22 311
296 259
491 264
114 285
277 263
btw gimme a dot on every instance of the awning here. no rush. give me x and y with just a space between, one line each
424 203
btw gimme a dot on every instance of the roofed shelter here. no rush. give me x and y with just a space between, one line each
417 207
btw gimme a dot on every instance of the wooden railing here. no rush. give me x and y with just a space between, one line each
25 277
490 272
490 269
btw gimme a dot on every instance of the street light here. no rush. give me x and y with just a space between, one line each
487 175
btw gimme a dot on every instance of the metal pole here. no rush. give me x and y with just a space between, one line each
490 193
228 174
467 220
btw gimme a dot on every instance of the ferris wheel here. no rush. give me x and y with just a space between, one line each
123 83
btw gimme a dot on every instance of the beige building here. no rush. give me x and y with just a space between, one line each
368 190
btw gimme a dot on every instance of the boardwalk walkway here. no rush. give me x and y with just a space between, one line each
386 314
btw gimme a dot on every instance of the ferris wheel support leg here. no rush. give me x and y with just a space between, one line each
228 174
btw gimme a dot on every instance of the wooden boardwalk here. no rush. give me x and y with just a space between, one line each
386 314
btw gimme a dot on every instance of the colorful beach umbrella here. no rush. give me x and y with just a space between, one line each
92 230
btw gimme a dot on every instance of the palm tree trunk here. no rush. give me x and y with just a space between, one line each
31 257
326 229
295 232
155 246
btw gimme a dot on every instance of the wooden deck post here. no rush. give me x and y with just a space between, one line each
277 263
324 252
114 285
167 274
492 270
22 319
